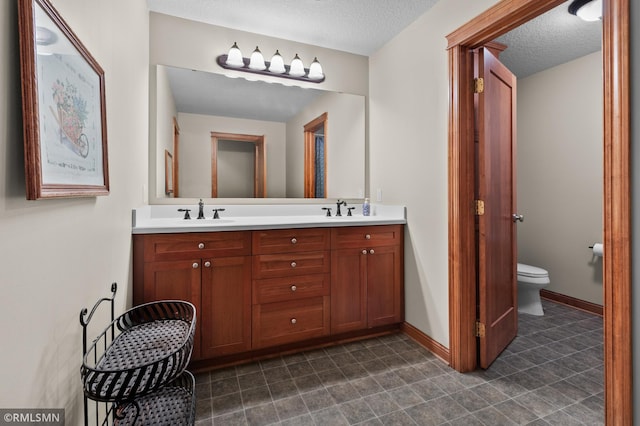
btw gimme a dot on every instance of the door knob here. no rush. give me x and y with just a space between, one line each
518 217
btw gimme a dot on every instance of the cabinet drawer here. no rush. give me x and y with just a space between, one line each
366 236
285 322
290 240
291 288
195 245
290 264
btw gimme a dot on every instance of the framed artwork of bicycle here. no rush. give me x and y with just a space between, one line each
63 106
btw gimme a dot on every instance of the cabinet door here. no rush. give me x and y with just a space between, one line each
384 286
177 280
226 306
348 290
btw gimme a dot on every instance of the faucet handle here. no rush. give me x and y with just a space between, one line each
186 213
215 213
328 209
349 211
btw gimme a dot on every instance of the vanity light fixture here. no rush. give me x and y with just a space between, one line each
234 58
277 64
297 67
257 61
587 10
276 67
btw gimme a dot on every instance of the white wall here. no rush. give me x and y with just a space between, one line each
236 169
344 145
195 151
58 256
408 107
560 175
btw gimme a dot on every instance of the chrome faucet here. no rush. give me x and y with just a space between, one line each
201 209
338 204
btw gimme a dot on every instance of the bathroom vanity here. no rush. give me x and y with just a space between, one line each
265 282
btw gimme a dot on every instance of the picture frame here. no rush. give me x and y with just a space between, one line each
168 173
63 106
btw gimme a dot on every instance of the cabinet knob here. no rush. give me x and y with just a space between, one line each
294 264
207 264
371 251
195 265
293 320
294 288
367 237
294 240
364 251
201 246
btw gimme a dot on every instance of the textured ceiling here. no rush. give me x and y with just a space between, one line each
549 40
361 27
355 26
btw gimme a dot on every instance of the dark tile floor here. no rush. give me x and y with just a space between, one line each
551 374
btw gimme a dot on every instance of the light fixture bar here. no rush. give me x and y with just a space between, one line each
313 74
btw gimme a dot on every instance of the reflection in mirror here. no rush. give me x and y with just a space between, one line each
237 166
202 103
315 157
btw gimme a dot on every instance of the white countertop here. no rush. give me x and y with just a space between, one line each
160 219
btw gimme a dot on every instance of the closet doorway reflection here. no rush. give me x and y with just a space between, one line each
315 157
238 163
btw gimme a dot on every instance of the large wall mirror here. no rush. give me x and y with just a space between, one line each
188 107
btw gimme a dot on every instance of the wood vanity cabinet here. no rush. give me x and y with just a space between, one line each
366 277
255 291
291 285
211 270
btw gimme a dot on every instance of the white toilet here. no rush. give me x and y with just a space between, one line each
531 280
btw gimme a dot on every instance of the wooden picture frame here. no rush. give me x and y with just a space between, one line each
63 106
168 173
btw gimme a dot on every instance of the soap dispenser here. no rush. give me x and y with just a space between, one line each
366 207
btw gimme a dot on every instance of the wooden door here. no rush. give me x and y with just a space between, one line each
384 286
497 292
226 306
175 280
348 290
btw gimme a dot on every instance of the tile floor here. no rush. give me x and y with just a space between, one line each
552 373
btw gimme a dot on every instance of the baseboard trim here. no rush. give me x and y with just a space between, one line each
573 302
427 342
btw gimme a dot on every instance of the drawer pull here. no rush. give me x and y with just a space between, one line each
195 265
293 320
294 240
371 251
364 251
294 264
367 237
201 246
294 288
207 264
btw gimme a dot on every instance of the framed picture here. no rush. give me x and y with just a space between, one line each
63 105
168 173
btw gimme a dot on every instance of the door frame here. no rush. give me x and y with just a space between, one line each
260 168
495 21
310 154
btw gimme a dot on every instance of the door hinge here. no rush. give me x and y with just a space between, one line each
480 329
478 85
479 207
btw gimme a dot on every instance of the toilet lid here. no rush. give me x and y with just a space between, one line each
531 271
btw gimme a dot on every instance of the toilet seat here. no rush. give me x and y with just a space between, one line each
532 274
531 271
